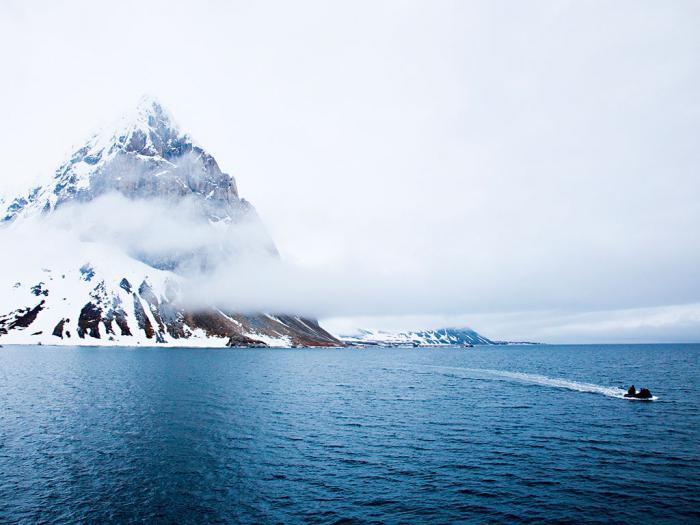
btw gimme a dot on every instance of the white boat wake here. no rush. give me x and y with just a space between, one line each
536 379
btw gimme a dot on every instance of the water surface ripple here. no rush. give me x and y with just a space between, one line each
506 434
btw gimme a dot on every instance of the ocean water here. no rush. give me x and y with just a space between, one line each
504 434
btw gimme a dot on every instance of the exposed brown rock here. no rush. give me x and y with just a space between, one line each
212 322
241 341
143 321
89 321
120 318
58 330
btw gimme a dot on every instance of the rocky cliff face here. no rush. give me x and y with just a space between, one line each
104 296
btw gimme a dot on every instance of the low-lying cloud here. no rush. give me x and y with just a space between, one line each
231 265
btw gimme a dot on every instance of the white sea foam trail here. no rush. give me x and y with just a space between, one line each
536 379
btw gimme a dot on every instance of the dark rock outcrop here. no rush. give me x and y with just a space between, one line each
143 321
21 318
120 319
240 341
125 285
58 329
39 289
89 321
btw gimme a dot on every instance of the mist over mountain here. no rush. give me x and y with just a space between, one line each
107 250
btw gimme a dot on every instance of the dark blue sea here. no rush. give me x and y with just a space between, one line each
516 434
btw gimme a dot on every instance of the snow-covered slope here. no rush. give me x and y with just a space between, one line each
440 337
90 289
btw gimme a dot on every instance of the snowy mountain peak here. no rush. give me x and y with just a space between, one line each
147 129
148 104
143 155
148 111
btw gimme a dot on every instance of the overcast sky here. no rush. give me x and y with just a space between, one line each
531 169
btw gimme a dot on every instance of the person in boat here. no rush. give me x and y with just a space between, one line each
644 393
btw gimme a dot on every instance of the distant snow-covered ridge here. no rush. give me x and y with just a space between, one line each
439 337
